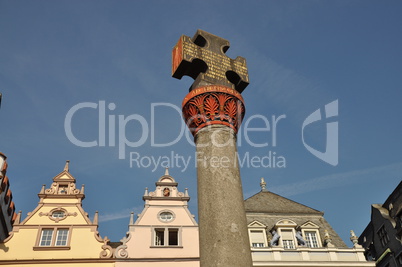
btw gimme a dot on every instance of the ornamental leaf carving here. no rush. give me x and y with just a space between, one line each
192 118
240 114
211 107
222 100
231 110
199 103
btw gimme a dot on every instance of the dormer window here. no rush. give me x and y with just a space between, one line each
311 234
288 241
285 233
311 239
257 234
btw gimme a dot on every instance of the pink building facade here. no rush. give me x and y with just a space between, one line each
165 232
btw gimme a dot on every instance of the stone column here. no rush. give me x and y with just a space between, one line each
213 114
213 111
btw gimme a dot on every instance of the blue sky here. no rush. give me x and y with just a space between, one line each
301 55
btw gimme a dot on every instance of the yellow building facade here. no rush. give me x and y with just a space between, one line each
57 232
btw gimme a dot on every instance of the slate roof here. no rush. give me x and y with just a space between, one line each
268 202
268 208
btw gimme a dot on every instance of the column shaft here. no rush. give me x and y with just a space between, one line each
224 238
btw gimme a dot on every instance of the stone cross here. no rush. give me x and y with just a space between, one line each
203 58
213 110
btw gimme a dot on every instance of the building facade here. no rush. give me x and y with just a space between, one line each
382 238
286 233
165 232
59 232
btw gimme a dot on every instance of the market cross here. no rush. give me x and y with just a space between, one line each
203 58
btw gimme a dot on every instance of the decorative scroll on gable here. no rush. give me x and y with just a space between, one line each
62 189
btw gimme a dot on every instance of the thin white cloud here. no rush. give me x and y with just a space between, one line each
336 180
125 213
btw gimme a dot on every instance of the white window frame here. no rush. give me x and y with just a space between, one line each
61 238
48 243
58 214
166 236
311 227
166 211
309 238
54 238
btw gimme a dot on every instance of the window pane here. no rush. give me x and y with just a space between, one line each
288 244
46 237
258 245
311 239
58 214
383 235
166 216
173 237
61 239
159 237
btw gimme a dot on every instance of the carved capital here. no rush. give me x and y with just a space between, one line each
213 104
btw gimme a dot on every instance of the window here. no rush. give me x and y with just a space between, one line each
173 237
311 239
288 244
53 237
166 237
258 245
257 238
311 235
166 216
287 239
46 238
61 238
382 234
159 237
58 214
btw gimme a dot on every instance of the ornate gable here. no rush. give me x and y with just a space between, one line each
58 228
166 188
63 186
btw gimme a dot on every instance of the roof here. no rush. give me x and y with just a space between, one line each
268 208
268 202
